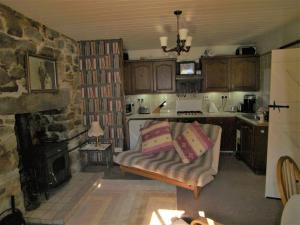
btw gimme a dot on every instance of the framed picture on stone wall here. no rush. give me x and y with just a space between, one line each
41 74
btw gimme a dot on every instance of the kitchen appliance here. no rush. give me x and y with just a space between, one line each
245 50
249 104
144 110
189 106
129 108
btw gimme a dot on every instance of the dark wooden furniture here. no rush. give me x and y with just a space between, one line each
164 76
127 79
216 74
142 77
149 76
230 73
228 131
244 74
253 145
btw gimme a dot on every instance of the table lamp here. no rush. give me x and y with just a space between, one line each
95 131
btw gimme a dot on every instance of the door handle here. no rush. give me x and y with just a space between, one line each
274 106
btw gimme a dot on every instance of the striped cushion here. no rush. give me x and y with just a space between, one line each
156 137
192 143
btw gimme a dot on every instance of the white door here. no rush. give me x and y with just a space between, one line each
284 126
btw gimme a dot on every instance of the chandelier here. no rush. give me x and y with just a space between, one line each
183 40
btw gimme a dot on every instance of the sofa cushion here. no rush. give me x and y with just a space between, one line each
192 143
156 137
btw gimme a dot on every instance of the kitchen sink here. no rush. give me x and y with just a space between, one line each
251 116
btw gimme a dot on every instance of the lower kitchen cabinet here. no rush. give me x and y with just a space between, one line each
253 145
228 131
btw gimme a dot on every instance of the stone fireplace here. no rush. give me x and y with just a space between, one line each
61 110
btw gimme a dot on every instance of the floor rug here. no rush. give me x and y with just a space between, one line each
126 202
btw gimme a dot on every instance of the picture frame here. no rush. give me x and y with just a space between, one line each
41 74
187 68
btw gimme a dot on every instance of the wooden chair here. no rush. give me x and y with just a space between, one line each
288 177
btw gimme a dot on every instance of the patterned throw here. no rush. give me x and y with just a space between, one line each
156 137
192 143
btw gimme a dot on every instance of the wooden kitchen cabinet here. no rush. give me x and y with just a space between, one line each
253 145
164 76
127 79
149 76
142 76
244 73
230 73
215 73
228 131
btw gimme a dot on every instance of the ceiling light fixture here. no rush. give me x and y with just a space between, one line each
183 40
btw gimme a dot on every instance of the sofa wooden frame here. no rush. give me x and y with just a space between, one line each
155 176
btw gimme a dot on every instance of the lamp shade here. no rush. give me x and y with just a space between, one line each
163 41
188 42
183 33
95 130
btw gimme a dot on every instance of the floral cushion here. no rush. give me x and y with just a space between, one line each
192 143
156 137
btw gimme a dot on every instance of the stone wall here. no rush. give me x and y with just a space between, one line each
20 35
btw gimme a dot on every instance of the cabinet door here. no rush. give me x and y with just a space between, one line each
260 150
228 131
247 144
142 77
215 72
164 76
127 78
244 74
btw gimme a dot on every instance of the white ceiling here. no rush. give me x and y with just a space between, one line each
140 22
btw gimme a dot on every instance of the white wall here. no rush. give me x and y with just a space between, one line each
278 37
194 53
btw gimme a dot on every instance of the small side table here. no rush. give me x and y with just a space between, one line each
91 154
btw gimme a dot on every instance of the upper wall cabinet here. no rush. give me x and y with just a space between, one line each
215 74
164 76
149 76
230 73
142 76
127 79
244 74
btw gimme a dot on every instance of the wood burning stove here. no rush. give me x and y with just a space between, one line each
44 164
54 164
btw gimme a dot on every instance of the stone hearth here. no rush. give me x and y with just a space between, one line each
20 35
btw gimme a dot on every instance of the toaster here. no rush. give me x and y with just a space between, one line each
144 110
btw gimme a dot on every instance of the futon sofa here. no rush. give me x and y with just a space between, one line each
167 166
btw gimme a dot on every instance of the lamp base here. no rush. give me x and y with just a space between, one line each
97 141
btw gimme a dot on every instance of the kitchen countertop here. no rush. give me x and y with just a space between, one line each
173 114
